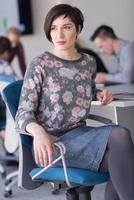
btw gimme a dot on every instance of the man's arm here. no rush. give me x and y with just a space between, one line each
126 66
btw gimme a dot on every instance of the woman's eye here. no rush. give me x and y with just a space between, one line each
52 28
67 27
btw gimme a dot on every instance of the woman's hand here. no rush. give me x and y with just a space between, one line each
105 96
43 144
43 149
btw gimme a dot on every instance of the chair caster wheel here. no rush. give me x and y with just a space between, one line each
7 193
54 192
8 181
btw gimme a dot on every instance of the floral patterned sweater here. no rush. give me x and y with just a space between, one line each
56 93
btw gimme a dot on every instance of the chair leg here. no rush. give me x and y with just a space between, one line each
2 171
79 193
84 192
8 188
71 194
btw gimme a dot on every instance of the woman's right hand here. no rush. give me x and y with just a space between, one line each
43 144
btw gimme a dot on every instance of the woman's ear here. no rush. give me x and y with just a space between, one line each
79 29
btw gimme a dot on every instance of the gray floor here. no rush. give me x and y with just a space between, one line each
44 192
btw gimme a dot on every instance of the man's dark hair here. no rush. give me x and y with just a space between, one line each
5 45
73 13
103 32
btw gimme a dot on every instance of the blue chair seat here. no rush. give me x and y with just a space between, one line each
76 175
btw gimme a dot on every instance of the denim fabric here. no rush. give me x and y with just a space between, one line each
85 146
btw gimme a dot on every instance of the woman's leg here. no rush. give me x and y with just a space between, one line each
110 193
119 159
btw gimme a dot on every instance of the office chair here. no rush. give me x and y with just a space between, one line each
31 176
6 122
2 126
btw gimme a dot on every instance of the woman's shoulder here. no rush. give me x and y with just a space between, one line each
89 58
39 59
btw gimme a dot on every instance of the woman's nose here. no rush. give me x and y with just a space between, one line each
60 33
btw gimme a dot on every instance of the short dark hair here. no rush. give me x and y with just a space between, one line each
68 11
103 32
5 45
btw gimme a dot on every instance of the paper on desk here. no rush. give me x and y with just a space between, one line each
124 96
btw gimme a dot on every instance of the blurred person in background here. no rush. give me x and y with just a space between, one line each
14 35
108 42
5 69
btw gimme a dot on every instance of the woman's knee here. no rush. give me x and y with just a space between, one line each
119 135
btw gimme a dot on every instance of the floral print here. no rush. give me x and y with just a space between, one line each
56 93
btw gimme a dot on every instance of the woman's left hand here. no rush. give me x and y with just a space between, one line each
105 96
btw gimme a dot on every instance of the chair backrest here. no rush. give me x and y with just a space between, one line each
2 114
4 81
11 95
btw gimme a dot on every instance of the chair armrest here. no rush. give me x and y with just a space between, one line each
62 149
100 119
26 163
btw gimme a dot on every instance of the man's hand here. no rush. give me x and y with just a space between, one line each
105 96
101 78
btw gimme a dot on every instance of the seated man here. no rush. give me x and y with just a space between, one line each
106 40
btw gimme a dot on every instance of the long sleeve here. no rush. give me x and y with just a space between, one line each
125 68
30 96
56 93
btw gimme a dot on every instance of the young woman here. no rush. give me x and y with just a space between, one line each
55 101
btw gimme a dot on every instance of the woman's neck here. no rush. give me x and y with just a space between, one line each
66 54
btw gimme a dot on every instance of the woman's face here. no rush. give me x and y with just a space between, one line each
63 33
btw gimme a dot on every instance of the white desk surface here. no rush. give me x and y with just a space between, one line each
122 88
116 103
119 89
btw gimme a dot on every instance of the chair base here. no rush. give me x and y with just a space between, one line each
79 193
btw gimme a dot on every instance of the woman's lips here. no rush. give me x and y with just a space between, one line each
61 42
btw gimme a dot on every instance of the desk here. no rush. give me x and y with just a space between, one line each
119 111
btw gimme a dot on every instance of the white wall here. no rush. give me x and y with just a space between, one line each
117 13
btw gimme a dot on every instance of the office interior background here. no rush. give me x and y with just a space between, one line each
116 13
